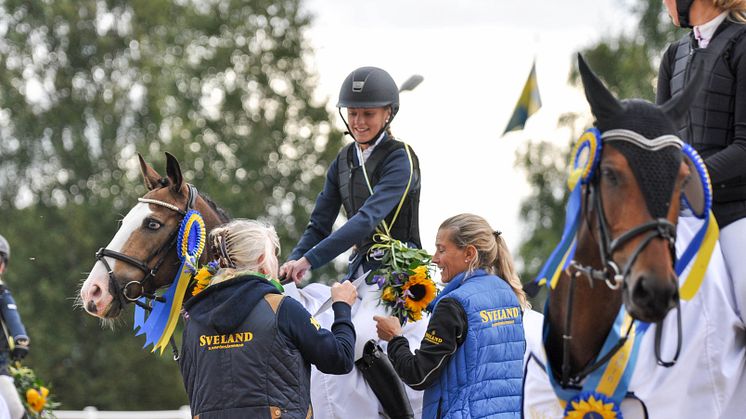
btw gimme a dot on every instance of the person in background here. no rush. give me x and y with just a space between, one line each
716 122
15 345
470 362
247 350
376 178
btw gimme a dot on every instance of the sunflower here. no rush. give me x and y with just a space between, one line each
388 294
420 272
592 405
419 291
203 276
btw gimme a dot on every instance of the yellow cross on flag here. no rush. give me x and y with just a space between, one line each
528 103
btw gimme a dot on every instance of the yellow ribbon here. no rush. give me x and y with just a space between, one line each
697 273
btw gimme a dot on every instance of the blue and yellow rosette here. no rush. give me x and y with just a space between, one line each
160 324
592 405
703 243
585 157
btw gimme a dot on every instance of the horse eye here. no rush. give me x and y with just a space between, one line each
610 175
152 224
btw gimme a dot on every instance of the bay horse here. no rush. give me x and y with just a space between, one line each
616 272
142 256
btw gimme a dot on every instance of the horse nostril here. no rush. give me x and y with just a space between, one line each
95 292
91 307
654 294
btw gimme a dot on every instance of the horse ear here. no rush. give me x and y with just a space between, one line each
173 171
603 104
151 177
676 108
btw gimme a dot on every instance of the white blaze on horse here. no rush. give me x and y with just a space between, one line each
629 327
142 257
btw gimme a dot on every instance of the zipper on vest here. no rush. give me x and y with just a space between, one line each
352 197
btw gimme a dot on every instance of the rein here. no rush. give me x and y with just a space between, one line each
613 277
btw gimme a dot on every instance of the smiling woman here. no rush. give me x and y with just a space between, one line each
377 180
475 331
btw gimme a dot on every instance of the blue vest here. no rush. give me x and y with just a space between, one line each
483 378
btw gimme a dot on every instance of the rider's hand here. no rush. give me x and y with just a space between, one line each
295 269
20 350
345 292
388 327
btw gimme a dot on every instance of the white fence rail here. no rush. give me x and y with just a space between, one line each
93 413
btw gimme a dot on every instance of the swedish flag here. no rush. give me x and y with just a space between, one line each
528 103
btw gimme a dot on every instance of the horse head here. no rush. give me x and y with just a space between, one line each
141 257
632 201
628 207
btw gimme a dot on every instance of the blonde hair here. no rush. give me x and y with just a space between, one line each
492 252
736 9
248 244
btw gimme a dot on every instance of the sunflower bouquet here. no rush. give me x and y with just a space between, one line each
404 279
34 394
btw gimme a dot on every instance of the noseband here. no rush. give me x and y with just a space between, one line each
133 290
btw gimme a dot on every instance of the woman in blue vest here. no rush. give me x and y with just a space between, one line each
247 350
470 362
716 123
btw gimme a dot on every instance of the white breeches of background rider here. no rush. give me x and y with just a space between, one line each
348 395
10 402
733 246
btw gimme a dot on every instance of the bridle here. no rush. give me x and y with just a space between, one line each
613 277
132 291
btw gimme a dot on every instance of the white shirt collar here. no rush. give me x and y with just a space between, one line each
362 156
707 30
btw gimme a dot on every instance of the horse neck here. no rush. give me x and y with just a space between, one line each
594 309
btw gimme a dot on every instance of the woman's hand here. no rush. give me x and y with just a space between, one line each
295 269
345 292
388 327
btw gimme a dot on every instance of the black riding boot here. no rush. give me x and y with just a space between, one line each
385 383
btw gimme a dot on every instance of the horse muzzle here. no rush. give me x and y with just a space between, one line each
650 297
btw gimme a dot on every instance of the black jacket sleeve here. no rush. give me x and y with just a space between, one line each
331 352
446 331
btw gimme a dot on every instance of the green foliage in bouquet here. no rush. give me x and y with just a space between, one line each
403 278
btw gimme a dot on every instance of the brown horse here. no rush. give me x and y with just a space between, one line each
626 234
141 258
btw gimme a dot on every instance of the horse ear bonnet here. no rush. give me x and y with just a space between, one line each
655 168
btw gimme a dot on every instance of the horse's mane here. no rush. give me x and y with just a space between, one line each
222 214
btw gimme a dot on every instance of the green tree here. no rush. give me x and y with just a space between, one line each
223 85
628 64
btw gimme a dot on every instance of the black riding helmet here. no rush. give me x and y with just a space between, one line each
369 87
682 9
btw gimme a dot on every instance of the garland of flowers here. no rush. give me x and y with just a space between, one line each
403 278
34 394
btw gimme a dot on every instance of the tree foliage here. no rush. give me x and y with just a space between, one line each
225 86
628 64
